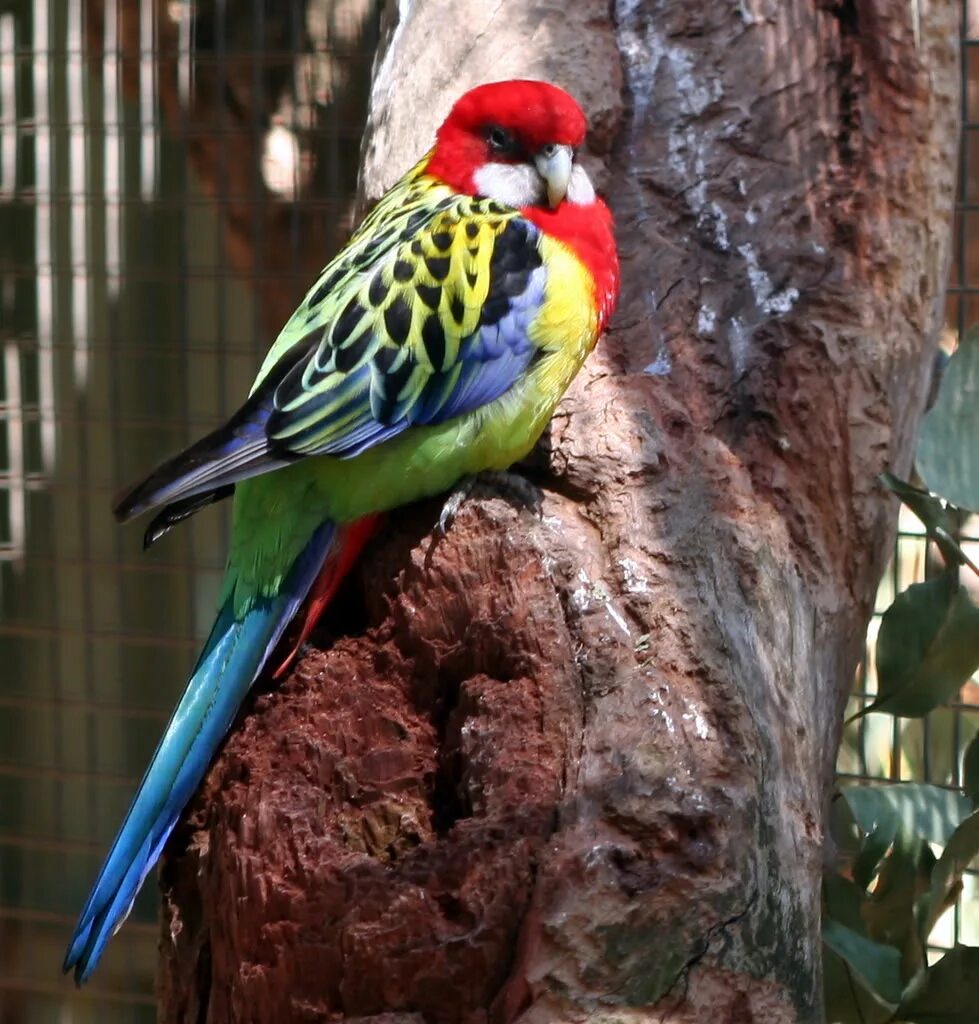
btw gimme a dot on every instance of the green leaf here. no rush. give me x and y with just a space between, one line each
947 456
951 992
927 647
844 832
920 809
848 998
940 523
909 809
970 771
961 848
875 846
890 910
843 901
878 966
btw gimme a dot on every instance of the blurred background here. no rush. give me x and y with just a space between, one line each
172 177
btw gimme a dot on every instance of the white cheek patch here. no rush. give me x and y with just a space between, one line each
511 184
581 192
520 185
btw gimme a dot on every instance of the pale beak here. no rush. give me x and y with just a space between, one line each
554 165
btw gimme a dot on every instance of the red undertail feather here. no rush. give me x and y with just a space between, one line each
350 541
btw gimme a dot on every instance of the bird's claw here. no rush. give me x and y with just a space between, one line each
496 483
453 503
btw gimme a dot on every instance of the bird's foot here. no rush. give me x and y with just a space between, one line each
492 483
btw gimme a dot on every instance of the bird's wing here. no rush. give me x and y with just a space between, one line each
423 317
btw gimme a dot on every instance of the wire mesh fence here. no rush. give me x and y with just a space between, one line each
172 175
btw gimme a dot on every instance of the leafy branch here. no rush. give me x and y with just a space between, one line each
903 848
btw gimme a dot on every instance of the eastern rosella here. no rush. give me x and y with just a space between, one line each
433 347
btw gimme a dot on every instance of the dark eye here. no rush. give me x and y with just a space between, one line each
500 140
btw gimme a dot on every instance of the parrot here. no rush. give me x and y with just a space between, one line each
433 348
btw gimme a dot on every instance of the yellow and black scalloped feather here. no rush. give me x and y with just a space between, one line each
424 316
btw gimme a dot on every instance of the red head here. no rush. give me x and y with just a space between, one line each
535 112
514 141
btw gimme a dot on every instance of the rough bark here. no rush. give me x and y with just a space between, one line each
576 768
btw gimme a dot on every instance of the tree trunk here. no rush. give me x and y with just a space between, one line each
576 768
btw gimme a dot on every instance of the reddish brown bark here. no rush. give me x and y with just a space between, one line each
575 769
434 759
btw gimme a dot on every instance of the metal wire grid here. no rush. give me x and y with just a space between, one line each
930 749
125 330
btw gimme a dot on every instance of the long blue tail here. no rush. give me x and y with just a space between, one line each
232 658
